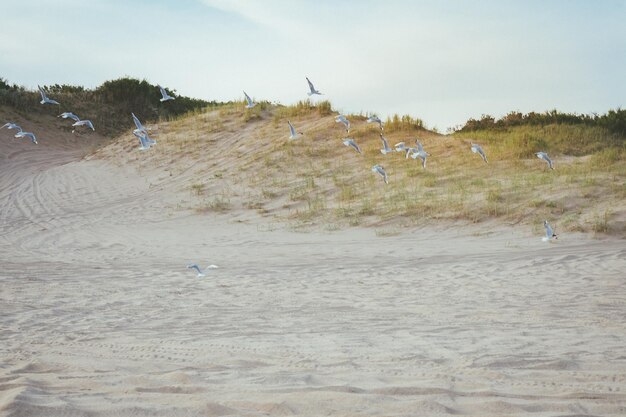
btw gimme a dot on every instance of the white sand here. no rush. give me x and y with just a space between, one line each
100 317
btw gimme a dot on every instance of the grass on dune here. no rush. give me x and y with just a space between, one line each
315 180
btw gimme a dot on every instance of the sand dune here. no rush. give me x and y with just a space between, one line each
99 315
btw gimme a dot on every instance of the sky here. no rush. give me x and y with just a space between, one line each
441 61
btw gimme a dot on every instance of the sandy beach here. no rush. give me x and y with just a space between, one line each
99 315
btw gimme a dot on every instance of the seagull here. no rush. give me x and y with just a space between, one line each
386 149
400 147
421 154
143 140
313 90
22 134
139 125
342 119
70 115
352 143
44 97
549 232
11 126
375 119
201 272
545 157
477 149
147 138
84 123
250 104
380 171
165 96
292 131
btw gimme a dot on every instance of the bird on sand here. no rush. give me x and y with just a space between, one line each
201 272
312 89
477 149
380 171
44 97
549 232
545 157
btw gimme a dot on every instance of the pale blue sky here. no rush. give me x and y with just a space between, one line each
442 61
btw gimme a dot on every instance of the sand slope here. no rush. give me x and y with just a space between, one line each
99 316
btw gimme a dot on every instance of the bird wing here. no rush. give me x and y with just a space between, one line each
311 87
291 129
137 122
248 99
43 93
385 144
163 92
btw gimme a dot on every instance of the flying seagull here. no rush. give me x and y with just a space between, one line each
201 272
421 154
375 119
477 149
11 126
292 131
249 103
69 115
545 157
139 125
32 137
312 88
386 149
143 139
84 123
380 171
400 147
352 143
165 96
44 97
342 119
549 232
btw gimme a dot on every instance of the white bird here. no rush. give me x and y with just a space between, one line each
11 126
143 139
147 138
311 88
44 97
375 119
549 232
380 171
342 119
22 134
477 149
249 103
545 157
350 142
201 272
292 131
139 125
386 149
70 115
421 154
84 123
165 96
400 147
